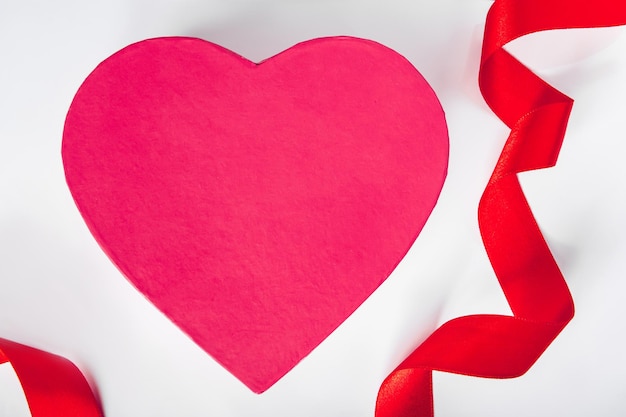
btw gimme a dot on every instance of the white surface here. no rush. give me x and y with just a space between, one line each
59 292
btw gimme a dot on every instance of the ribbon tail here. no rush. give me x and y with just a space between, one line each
53 386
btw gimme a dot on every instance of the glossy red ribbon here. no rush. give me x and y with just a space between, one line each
496 346
53 386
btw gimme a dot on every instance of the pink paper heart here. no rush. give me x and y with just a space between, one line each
256 205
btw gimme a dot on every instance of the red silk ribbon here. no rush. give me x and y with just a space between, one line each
53 386
496 346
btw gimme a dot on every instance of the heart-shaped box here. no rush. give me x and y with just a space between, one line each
256 205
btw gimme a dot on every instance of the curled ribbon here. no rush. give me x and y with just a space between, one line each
497 346
53 386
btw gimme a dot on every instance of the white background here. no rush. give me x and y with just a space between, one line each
59 292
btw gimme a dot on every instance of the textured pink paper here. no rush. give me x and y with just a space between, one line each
256 205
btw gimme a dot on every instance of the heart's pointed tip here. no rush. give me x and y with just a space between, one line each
262 380
260 390
259 387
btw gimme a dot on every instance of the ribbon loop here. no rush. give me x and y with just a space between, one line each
53 386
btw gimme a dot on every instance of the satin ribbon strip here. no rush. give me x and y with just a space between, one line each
496 346
53 386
